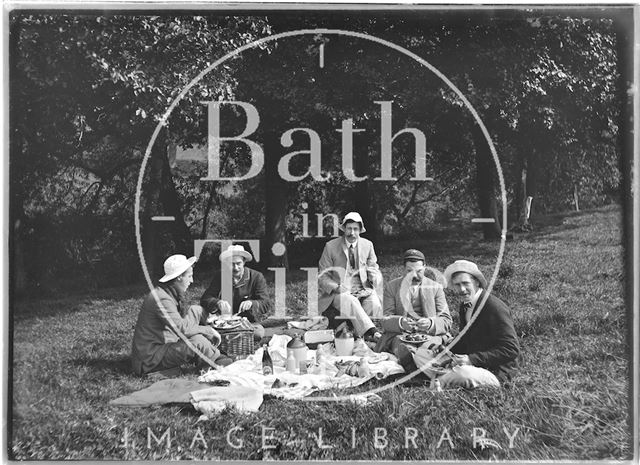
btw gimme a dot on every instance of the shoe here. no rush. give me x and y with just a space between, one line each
223 361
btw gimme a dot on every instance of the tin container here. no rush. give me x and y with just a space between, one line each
298 349
344 344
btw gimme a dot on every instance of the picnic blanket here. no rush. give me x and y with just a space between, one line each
248 372
204 397
166 391
245 385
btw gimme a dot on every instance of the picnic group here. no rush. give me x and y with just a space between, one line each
414 325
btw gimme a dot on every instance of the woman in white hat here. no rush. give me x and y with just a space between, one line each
167 333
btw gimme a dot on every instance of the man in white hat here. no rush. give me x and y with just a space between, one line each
247 296
157 344
349 276
487 352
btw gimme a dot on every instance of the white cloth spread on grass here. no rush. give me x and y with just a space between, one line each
287 385
213 400
205 398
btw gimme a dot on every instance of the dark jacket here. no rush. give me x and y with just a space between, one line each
491 340
252 287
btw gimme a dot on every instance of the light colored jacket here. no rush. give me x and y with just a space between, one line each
154 329
432 299
333 264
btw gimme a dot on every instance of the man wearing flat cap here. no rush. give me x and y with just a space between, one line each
487 352
348 277
164 318
414 302
247 295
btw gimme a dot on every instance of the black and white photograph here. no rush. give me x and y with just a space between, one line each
321 232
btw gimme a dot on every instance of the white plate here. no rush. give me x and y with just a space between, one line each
219 323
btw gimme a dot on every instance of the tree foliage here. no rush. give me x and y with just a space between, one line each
87 91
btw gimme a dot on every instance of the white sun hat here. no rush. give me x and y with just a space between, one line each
353 216
465 266
235 250
175 265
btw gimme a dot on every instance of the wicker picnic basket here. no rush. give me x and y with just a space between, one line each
237 342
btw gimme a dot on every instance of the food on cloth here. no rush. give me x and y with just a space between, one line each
356 368
414 338
220 323
377 358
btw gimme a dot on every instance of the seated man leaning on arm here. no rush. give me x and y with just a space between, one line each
156 343
413 302
487 352
248 297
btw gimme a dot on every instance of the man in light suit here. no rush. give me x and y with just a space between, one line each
349 276
420 302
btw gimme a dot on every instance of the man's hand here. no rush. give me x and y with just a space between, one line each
460 359
213 336
364 293
373 275
341 289
246 305
444 360
424 324
224 307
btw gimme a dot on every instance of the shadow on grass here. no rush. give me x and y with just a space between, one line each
28 308
120 365
545 224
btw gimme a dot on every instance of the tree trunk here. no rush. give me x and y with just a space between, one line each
276 206
521 194
363 196
526 189
531 185
18 270
364 205
172 206
152 207
207 210
485 183
161 239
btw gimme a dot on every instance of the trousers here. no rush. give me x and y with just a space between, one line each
179 353
359 311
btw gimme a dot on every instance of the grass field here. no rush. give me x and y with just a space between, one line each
564 283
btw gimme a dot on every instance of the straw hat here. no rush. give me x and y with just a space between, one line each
465 266
353 216
175 265
236 250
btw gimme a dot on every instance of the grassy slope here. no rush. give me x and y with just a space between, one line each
564 284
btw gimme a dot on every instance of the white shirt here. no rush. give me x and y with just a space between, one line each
354 283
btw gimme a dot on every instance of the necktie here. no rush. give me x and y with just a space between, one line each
352 258
467 306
